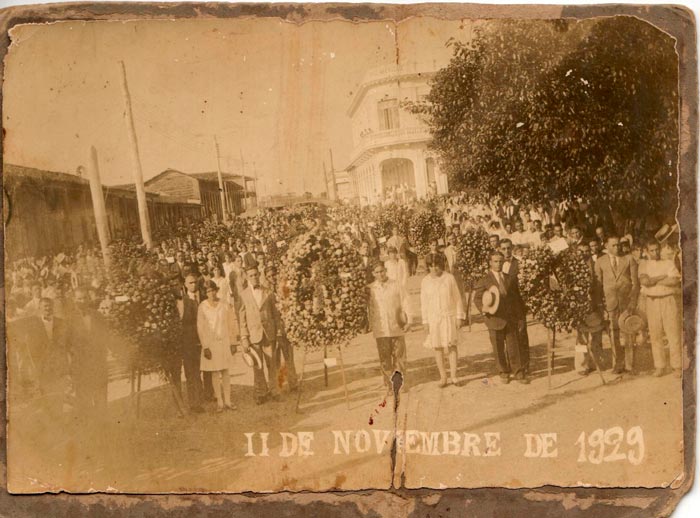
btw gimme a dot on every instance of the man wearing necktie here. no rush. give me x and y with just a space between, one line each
617 288
260 324
503 322
511 266
190 348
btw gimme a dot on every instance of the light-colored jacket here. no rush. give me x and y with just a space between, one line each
387 309
258 321
618 286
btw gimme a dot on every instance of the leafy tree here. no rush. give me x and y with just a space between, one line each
540 110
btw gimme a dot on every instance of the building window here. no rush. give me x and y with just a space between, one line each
388 114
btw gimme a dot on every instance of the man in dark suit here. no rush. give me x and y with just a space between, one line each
260 324
617 284
502 321
47 351
190 348
511 267
180 268
89 339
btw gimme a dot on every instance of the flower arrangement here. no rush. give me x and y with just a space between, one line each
143 311
556 288
426 224
472 256
321 291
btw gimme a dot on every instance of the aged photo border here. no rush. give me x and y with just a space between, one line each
675 20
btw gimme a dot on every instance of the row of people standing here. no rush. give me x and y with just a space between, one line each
241 309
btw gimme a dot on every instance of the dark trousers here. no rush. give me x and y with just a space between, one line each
392 357
261 387
623 353
286 349
506 350
207 386
191 359
523 345
595 346
411 262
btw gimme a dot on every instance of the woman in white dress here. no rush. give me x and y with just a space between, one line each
396 267
217 344
443 312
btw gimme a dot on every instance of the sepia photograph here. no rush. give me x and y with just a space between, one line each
256 255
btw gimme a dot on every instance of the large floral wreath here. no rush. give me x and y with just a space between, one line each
556 288
322 291
473 256
142 311
426 225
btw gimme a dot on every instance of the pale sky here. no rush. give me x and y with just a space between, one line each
273 91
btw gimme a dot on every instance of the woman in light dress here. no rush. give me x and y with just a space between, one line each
396 267
217 344
443 312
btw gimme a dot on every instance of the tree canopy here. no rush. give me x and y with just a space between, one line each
540 110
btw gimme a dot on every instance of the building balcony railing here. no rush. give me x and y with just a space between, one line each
370 138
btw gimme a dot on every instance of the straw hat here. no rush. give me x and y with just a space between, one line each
665 232
251 358
632 322
490 300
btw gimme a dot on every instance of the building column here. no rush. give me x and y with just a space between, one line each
378 183
421 173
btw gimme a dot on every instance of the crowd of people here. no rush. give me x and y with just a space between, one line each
225 283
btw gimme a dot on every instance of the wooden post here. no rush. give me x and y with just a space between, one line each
138 173
138 394
255 184
301 379
224 213
342 372
469 309
325 367
98 206
245 183
550 356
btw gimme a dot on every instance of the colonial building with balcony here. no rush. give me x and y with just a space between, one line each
390 159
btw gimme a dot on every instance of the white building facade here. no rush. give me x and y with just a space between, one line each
390 159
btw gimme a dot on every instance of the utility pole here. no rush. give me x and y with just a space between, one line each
98 206
334 187
245 182
325 179
255 183
224 212
138 173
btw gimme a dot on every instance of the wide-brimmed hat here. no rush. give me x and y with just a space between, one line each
632 322
490 300
665 232
592 323
251 358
